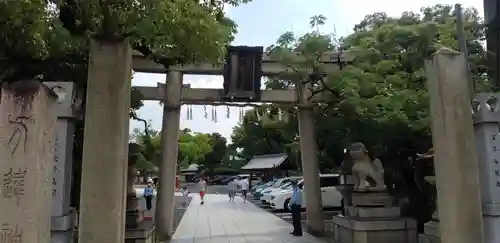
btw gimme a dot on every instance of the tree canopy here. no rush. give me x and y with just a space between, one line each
207 150
218 152
48 39
380 99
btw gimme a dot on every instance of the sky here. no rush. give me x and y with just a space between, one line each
260 23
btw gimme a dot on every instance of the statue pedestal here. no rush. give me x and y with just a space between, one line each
347 182
134 216
137 229
431 233
372 218
143 233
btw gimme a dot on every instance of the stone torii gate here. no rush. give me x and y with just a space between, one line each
105 148
173 94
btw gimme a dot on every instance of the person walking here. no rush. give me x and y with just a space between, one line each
233 188
155 182
185 198
148 195
202 186
244 189
295 205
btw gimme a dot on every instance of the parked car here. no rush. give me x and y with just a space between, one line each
243 176
330 196
229 179
237 177
275 183
268 195
261 187
278 183
282 184
256 181
218 180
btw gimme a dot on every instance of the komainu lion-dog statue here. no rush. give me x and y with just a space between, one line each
364 167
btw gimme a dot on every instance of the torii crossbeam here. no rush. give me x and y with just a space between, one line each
270 67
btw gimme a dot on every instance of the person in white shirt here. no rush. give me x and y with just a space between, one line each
244 189
202 186
185 198
233 188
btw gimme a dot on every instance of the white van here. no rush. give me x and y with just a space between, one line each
330 196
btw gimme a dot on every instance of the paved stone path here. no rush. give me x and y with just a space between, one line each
219 221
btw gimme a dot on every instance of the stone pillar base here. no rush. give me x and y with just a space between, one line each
144 233
423 238
61 228
133 215
355 230
431 233
373 220
132 201
134 218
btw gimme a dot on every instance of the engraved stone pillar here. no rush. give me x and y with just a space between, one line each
455 156
310 165
27 126
486 116
170 144
62 222
105 146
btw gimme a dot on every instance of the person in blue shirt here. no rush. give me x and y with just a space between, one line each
148 195
295 206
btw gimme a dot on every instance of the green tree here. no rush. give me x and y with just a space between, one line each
380 98
169 32
136 158
143 165
34 45
317 21
218 152
261 132
194 146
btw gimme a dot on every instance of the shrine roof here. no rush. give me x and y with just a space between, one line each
266 161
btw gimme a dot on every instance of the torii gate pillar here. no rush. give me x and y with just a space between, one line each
105 147
170 144
310 165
